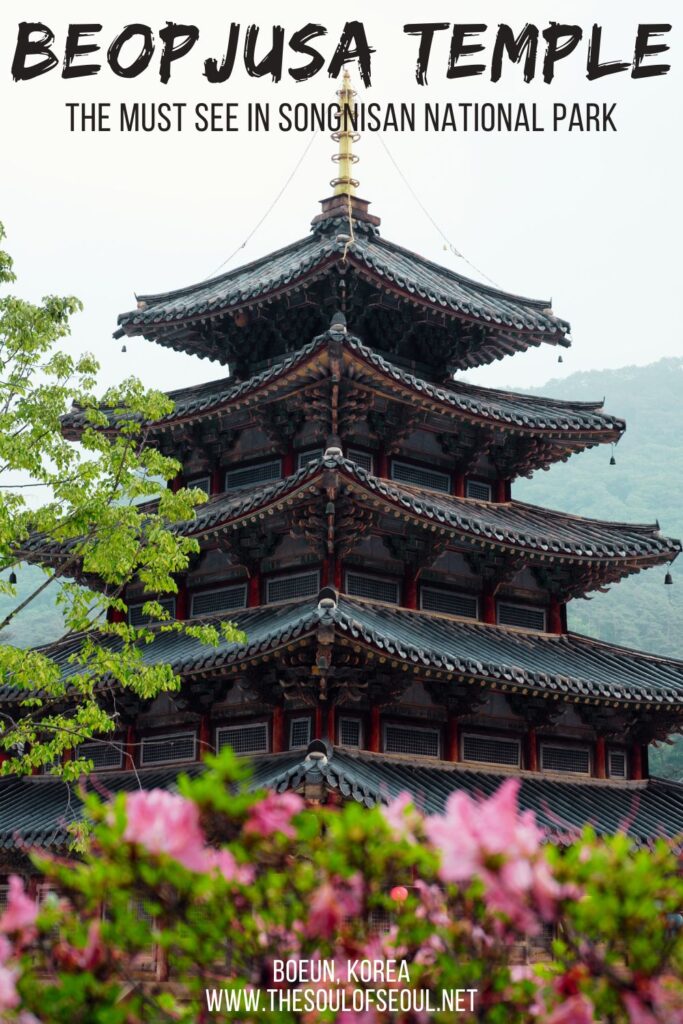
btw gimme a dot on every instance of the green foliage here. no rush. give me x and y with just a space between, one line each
98 509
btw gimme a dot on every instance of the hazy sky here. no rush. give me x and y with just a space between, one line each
592 221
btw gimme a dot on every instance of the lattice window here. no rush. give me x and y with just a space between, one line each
523 615
248 738
419 476
226 599
491 749
4 896
136 616
412 739
252 476
617 765
380 921
179 746
146 960
575 760
103 755
288 588
299 733
375 588
350 732
362 459
434 599
303 458
478 489
202 483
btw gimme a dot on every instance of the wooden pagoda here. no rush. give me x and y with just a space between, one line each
405 616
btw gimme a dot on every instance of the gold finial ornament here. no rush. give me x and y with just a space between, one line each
345 184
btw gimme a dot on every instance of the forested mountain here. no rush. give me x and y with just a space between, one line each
645 485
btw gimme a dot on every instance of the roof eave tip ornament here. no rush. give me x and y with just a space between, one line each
344 203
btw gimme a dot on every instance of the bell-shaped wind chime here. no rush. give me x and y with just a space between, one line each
612 460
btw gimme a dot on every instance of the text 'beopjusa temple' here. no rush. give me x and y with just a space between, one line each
450 51
405 616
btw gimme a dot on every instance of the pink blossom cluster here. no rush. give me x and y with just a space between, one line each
334 902
492 840
167 823
17 928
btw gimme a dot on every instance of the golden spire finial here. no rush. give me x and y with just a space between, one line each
345 184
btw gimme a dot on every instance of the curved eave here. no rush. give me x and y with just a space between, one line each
512 660
479 524
482 523
439 648
517 322
644 810
565 427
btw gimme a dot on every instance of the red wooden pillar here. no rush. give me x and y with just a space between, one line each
114 615
181 603
325 573
488 607
645 761
452 739
318 723
254 589
205 745
332 724
278 730
636 761
129 751
288 462
600 758
382 465
176 483
501 490
67 755
555 615
459 485
217 479
532 750
410 588
338 576
375 731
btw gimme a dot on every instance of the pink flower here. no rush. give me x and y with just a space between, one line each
274 814
226 864
87 959
9 997
402 817
491 839
575 1010
167 823
332 904
21 911
638 1013
455 834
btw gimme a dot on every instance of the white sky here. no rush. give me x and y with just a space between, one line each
593 221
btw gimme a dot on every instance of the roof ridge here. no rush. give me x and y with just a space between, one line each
540 304
151 297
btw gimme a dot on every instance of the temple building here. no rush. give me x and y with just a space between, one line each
406 616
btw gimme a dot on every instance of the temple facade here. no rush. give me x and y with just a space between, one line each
406 617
